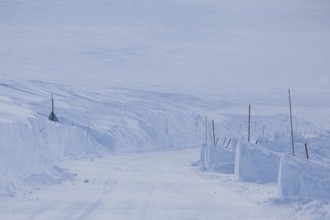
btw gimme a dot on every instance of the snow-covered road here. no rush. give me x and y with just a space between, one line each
159 185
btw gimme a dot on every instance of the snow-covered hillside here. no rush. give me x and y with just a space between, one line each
223 49
141 75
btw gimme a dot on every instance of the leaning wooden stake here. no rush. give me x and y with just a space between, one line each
306 148
224 141
292 141
228 143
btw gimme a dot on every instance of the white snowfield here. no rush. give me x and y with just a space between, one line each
132 82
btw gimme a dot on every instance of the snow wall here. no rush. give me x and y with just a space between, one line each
303 178
31 150
250 162
90 124
270 161
254 163
217 158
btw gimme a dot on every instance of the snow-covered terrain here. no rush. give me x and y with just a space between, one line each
133 81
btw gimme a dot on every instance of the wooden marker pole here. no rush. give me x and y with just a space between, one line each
292 141
166 127
306 148
228 143
205 129
249 123
213 132
263 131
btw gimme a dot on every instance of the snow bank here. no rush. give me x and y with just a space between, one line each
35 145
296 177
115 120
217 158
33 149
254 163
121 120
303 178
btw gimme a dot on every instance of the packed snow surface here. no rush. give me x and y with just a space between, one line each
135 82
144 186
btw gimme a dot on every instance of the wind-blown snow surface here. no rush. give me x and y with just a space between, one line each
140 75
241 51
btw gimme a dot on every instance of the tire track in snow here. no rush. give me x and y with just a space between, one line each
109 185
78 201
82 210
145 186
146 205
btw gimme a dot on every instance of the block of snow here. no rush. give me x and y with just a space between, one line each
217 158
254 163
303 178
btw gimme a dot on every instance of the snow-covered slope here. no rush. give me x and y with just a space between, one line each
247 51
140 75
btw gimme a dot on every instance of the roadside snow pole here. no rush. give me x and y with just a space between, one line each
52 116
42 129
213 132
210 131
306 148
224 141
249 123
292 142
166 127
228 143
88 129
205 129
263 131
